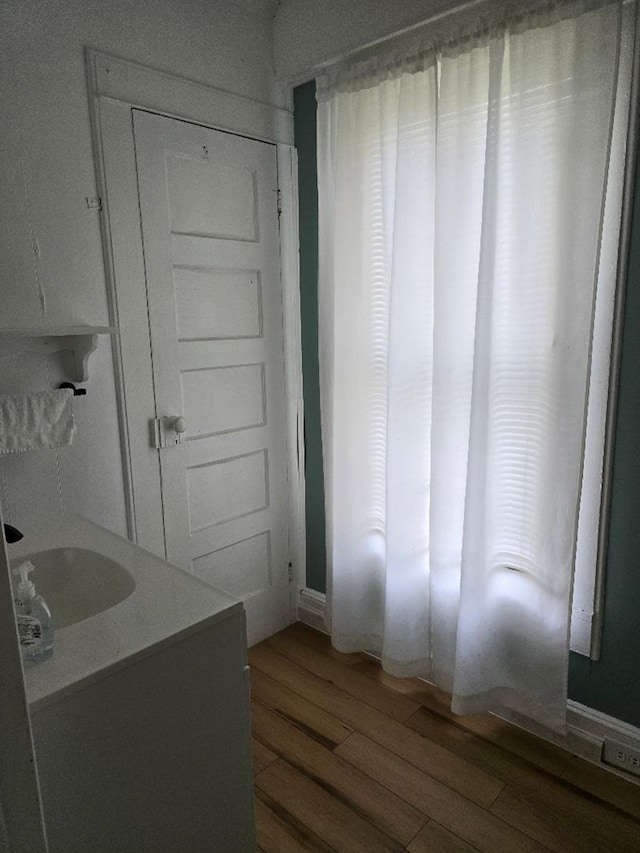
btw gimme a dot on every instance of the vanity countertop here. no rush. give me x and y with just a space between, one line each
166 605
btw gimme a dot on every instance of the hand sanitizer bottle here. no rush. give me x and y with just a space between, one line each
35 628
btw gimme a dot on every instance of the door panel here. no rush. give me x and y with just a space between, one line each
194 191
209 217
231 566
240 388
227 489
217 303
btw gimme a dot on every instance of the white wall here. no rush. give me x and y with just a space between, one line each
47 171
308 33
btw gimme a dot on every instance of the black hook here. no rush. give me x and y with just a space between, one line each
12 534
77 392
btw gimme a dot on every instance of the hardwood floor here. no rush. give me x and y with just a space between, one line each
348 758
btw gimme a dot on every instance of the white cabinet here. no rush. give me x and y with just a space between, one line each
154 757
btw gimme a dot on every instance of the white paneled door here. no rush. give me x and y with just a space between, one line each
209 213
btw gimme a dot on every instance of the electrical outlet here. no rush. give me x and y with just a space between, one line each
622 755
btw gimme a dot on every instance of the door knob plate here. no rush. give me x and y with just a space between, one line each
167 431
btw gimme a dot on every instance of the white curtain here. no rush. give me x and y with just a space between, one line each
461 199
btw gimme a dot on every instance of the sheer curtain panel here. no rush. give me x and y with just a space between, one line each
461 203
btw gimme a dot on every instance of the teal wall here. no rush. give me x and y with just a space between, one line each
612 684
304 103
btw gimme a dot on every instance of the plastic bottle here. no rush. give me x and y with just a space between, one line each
35 626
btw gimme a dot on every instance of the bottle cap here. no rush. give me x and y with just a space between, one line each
25 588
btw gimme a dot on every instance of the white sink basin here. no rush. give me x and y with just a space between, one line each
111 603
77 583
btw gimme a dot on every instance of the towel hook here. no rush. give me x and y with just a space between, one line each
77 392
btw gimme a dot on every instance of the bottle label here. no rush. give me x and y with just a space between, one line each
29 631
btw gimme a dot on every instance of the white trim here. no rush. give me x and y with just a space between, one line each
586 727
110 267
595 725
21 819
586 731
126 289
177 97
312 607
292 337
116 87
615 362
582 623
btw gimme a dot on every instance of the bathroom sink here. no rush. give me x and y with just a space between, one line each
111 603
78 583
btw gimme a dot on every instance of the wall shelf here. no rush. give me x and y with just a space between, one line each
80 340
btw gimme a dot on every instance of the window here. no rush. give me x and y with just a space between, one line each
462 236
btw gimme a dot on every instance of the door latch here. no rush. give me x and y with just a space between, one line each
168 431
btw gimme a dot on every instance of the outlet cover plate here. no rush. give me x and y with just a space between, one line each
622 755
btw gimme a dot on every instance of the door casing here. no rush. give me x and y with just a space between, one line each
115 88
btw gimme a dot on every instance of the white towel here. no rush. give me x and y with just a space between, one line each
35 421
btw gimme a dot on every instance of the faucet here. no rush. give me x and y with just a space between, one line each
12 534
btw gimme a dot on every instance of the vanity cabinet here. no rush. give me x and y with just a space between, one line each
155 756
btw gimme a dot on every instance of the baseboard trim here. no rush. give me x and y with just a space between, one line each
586 727
591 727
597 725
586 731
312 607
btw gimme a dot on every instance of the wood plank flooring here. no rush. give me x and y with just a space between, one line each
347 758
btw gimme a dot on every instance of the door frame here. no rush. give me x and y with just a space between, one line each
115 88
22 827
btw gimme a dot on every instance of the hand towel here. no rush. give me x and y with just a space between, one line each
36 421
